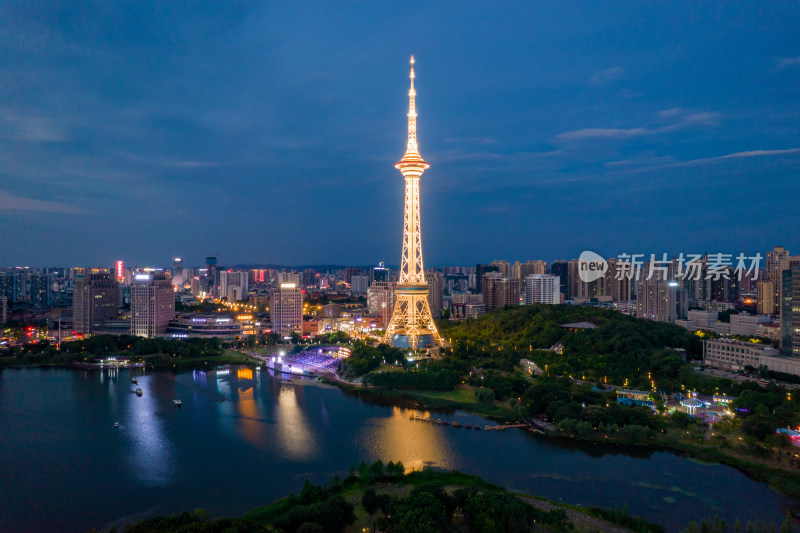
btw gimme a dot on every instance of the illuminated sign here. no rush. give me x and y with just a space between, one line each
288 285
118 266
142 277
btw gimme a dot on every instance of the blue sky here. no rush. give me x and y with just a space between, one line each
267 133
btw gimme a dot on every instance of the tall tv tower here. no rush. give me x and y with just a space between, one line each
412 324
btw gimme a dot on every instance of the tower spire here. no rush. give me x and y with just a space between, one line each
412 148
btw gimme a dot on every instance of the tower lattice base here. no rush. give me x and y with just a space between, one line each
412 324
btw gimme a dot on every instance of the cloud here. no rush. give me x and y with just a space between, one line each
18 203
740 155
603 133
786 62
680 119
16 127
609 75
471 140
167 163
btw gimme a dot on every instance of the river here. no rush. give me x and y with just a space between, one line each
244 438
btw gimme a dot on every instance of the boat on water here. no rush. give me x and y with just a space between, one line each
467 426
116 424
134 380
176 403
445 422
455 424
476 426
139 392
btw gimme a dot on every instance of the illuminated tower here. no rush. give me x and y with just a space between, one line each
412 324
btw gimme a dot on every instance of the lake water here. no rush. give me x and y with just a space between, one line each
244 438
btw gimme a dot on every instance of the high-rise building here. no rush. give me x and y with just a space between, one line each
774 258
435 291
480 271
499 291
8 286
616 286
233 285
789 273
380 301
289 277
765 297
661 300
412 325
95 298
286 309
542 289
380 273
210 280
560 268
504 267
359 284
40 292
177 265
3 310
152 304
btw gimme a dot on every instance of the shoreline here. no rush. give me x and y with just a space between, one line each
784 481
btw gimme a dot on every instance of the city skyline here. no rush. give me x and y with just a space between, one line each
137 133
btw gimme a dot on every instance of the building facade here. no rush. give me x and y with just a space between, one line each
660 300
735 355
95 298
542 289
286 309
152 304
499 291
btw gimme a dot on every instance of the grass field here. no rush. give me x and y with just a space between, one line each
459 395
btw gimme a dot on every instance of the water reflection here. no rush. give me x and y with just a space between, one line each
151 449
295 438
416 444
251 423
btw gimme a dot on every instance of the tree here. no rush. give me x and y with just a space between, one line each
370 500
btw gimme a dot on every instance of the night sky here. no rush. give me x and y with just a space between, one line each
268 133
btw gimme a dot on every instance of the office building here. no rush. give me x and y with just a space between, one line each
789 273
380 273
286 309
380 301
152 304
95 298
3 310
542 289
735 355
